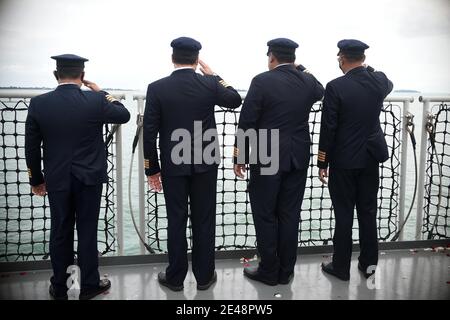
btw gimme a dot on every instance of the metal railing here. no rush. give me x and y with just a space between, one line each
18 95
404 156
404 105
139 102
427 117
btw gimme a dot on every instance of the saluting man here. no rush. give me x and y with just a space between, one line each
353 145
182 105
68 122
279 99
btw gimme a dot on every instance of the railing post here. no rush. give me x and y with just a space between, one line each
422 165
404 165
119 188
141 173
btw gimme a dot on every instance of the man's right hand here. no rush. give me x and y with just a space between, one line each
205 69
299 67
91 85
154 182
39 190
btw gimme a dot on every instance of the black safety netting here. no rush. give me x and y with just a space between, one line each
436 218
25 218
234 222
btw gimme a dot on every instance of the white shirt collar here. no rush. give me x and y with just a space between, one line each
282 64
182 68
64 83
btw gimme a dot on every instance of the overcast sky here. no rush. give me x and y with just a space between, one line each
128 42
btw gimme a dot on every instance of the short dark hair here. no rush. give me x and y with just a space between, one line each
180 57
354 57
284 57
69 72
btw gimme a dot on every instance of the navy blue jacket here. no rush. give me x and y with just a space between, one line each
350 128
175 102
69 122
281 99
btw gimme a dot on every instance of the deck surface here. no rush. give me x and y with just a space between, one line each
402 274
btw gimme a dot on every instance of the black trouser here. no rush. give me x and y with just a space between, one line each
80 204
200 189
276 202
350 188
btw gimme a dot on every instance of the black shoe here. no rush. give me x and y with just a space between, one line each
88 294
253 273
51 291
163 281
328 268
282 279
364 271
209 284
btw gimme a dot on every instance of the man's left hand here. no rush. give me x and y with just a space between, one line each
239 170
323 173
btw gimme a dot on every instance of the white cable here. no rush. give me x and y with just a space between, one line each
141 238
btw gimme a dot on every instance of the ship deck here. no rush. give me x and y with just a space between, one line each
402 274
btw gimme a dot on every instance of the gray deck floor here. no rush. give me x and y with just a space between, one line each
402 274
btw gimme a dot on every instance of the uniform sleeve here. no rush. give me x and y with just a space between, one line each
318 89
113 111
328 125
33 140
152 118
389 86
388 83
227 96
250 114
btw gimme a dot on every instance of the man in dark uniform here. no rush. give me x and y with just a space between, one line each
184 102
279 99
353 144
69 123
